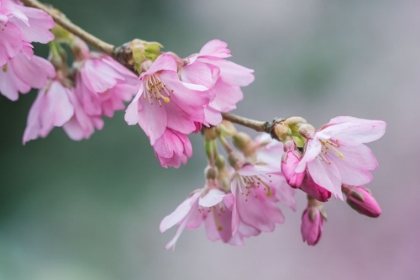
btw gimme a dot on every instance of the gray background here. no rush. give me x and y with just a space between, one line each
91 209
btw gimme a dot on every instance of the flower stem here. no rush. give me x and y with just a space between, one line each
61 19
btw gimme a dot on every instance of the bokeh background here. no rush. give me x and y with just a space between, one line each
90 210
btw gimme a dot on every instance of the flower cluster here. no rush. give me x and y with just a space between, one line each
172 97
243 201
177 96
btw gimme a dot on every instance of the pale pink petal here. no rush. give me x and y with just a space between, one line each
132 112
98 76
34 72
39 24
200 74
163 62
10 42
327 176
355 130
226 97
213 197
180 212
10 84
215 48
152 119
219 225
313 148
33 125
212 116
232 73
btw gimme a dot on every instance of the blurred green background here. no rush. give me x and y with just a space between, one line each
91 209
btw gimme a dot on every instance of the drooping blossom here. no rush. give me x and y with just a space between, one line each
163 101
362 200
312 225
210 206
258 188
52 108
23 72
223 78
335 154
103 84
172 148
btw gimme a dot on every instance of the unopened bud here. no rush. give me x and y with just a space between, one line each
307 131
210 133
294 121
242 141
313 189
226 128
361 200
211 172
312 225
289 162
142 51
281 131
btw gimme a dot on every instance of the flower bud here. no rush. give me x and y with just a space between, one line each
280 131
210 133
361 200
313 189
307 130
211 172
226 128
312 225
289 161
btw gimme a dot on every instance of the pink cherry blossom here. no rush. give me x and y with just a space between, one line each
312 225
81 125
222 77
104 84
52 108
20 25
362 200
163 101
23 72
257 194
210 206
172 148
335 154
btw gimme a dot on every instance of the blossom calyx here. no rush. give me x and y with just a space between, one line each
362 200
243 143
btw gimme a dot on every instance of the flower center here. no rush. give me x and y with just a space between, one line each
329 145
250 183
156 89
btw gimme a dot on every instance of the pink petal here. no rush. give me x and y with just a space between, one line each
200 74
152 119
98 76
327 176
39 24
215 48
10 42
180 212
163 62
132 112
350 130
213 197
212 116
34 72
226 97
313 148
10 84
232 73
33 125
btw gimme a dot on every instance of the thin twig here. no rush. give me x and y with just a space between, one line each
253 124
61 19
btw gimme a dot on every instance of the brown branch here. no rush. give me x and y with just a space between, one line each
61 19
253 124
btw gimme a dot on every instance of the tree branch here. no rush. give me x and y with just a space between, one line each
253 124
61 19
